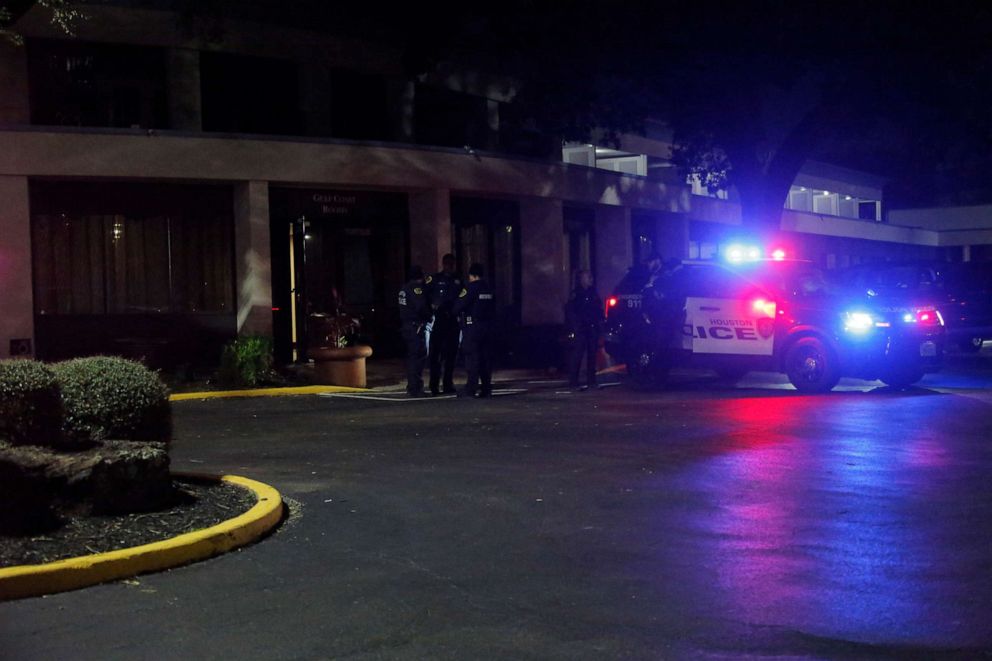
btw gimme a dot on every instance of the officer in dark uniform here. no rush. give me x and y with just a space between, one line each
414 313
584 317
443 290
476 309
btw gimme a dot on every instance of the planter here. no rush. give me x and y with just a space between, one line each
341 367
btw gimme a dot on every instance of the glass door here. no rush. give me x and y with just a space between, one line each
488 232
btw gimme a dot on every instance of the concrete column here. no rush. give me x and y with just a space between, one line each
185 103
542 241
254 261
613 246
17 320
14 108
430 228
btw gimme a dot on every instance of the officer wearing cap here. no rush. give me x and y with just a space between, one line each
443 290
414 314
475 308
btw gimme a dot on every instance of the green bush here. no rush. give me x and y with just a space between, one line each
30 404
113 398
247 361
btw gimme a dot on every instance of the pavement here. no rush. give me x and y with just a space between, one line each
706 520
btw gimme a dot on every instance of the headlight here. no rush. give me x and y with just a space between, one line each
858 322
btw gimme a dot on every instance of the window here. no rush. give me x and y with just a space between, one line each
80 84
131 249
452 119
580 236
868 210
799 199
242 94
359 106
825 202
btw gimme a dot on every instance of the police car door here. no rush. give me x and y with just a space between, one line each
724 314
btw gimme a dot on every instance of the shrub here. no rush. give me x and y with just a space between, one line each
247 361
113 398
30 404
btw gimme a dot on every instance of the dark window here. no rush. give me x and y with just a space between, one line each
580 233
359 106
450 119
709 281
867 211
243 94
127 249
520 134
80 84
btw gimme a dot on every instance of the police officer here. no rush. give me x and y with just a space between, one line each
414 314
584 317
475 307
443 290
640 275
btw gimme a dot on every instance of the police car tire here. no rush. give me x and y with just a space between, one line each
971 345
825 379
647 376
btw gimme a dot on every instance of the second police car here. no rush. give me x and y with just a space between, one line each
777 314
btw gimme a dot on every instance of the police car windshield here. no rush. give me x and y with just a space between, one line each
901 278
792 278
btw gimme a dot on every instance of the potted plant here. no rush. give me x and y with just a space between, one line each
339 360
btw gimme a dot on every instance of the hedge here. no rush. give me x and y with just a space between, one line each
30 403
113 398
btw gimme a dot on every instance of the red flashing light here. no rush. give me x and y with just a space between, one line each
765 307
611 302
276 309
928 316
778 254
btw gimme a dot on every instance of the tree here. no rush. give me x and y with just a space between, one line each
64 15
750 90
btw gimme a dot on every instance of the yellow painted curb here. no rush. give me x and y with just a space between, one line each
262 392
72 573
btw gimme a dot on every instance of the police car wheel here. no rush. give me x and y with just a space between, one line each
972 345
811 366
644 370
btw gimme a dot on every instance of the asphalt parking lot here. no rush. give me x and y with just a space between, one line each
706 520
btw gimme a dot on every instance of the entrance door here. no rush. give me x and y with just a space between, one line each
488 232
343 257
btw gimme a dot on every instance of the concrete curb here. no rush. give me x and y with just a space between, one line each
262 392
35 580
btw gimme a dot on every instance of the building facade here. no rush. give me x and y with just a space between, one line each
166 185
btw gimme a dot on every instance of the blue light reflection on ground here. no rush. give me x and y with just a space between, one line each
814 519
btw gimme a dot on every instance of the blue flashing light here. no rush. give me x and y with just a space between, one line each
737 253
858 322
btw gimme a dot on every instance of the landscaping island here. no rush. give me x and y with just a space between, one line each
84 460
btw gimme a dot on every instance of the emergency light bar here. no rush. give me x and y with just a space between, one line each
737 253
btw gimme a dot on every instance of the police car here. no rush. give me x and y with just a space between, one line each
749 313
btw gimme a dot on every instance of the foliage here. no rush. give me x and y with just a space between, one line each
247 361
747 91
113 398
30 403
64 15
336 330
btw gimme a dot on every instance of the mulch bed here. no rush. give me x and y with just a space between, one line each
199 504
